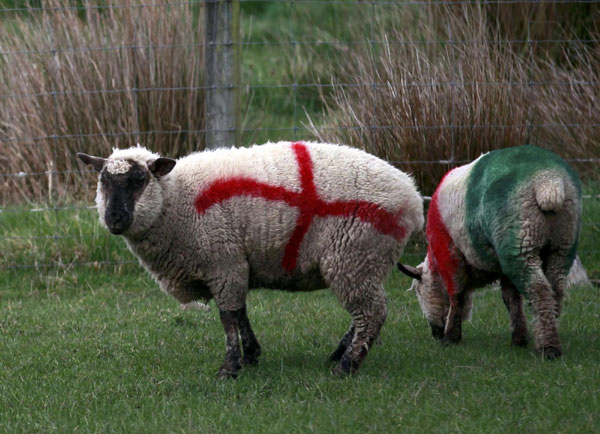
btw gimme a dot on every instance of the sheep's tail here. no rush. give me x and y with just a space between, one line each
549 191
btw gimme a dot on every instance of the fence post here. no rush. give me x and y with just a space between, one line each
222 73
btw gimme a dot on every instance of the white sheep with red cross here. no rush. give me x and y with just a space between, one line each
291 216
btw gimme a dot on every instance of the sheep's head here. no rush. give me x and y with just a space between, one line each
129 195
432 295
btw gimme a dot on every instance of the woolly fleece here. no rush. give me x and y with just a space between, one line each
292 216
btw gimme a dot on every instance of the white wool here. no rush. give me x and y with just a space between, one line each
116 167
452 193
549 191
136 153
199 246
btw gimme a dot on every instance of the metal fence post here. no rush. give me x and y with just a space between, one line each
222 73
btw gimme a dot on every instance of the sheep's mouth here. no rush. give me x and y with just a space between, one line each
117 228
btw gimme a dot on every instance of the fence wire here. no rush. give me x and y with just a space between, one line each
40 237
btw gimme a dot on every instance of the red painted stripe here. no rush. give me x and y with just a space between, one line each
440 244
292 249
307 201
305 168
223 189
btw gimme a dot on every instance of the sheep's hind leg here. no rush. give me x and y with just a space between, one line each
556 270
545 327
232 364
249 342
336 356
514 304
369 312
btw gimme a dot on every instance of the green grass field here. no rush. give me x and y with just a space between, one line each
98 348
88 343
98 351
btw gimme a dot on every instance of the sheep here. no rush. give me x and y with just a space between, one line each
293 216
512 214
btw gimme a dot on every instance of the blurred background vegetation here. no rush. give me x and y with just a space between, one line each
408 82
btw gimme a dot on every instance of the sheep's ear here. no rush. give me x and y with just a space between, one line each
97 162
414 272
161 166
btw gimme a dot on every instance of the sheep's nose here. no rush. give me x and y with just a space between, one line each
117 220
115 216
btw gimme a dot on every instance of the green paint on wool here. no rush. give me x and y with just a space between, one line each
493 208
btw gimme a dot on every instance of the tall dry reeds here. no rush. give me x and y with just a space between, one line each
412 102
88 79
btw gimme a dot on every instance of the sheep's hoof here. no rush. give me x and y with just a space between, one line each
223 373
520 341
345 367
228 371
551 353
450 340
250 359
437 332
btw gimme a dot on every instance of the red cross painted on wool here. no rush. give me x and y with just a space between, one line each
307 201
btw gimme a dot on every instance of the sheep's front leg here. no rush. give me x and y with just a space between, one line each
232 363
229 291
453 329
249 342
514 304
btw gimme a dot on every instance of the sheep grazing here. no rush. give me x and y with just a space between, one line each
512 214
293 216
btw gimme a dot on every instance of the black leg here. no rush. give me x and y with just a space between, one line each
336 356
437 332
453 330
368 316
249 342
514 304
232 364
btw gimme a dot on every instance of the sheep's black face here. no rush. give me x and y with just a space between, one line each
123 181
121 191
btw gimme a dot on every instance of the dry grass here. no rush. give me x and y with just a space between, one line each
432 101
453 101
68 88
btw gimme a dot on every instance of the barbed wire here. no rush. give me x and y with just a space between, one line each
73 50
294 86
444 3
28 140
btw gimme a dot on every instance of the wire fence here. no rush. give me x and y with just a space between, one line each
47 217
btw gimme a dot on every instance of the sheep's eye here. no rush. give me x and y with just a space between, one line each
138 179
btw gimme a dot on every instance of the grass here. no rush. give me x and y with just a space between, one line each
95 347
89 343
100 351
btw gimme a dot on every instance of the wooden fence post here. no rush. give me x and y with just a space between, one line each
222 73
